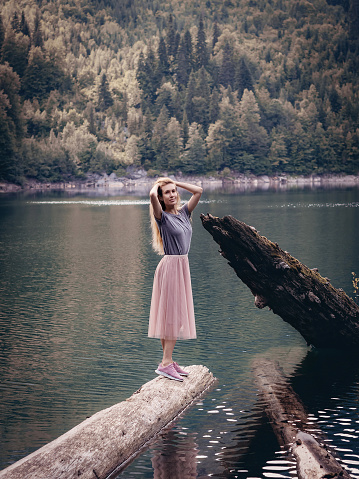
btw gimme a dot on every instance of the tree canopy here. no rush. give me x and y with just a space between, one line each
259 87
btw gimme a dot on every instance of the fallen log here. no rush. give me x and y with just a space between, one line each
108 440
324 315
288 419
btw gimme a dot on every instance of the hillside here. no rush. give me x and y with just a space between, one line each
256 86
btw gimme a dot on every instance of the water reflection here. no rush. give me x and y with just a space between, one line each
175 456
75 286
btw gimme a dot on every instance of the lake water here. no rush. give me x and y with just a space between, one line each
76 275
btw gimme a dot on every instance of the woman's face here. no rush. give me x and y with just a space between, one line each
169 195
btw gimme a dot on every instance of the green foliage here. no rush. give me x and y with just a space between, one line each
254 87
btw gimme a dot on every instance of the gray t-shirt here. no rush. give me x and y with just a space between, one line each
176 231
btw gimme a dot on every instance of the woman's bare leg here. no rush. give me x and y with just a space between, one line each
168 347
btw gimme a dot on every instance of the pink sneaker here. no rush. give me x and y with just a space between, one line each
169 372
180 371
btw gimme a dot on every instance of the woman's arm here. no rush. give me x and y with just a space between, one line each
196 194
156 205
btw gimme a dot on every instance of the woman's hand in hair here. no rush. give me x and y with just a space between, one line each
196 193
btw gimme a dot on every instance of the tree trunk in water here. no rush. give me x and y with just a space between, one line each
288 420
325 316
102 445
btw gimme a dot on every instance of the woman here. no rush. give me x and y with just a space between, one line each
172 313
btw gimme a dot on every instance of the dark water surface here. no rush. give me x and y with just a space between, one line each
75 285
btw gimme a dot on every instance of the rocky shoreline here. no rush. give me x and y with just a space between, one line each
140 182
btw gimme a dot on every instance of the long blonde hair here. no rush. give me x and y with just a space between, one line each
157 243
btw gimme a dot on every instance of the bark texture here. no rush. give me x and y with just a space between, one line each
288 419
101 444
324 315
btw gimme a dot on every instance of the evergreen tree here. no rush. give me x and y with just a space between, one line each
354 19
216 142
171 37
7 140
24 27
11 124
105 99
42 75
216 34
147 75
214 106
243 77
185 128
227 70
2 36
163 65
15 51
91 119
195 153
166 96
159 138
184 60
145 147
187 39
177 42
202 56
182 66
190 94
37 39
173 144
200 101
255 138
15 23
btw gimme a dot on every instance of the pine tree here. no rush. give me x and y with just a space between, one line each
214 106
91 119
7 141
202 56
159 137
173 144
15 23
35 78
37 39
147 75
2 36
105 99
216 34
187 39
11 124
163 65
171 37
354 19
185 128
195 152
200 101
243 77
184 60
24 27
227 70
145 147
182 66
190 94
15 51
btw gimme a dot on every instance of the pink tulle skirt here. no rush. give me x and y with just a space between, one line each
172 312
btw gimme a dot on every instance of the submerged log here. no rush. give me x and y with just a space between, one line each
288 419
103 444
325 316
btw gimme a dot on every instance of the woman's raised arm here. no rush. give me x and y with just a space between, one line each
196 194
156 205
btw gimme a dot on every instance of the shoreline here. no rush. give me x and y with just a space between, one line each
141 183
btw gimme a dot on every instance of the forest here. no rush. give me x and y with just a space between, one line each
193 86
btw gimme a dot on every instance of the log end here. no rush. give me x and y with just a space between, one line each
314 461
